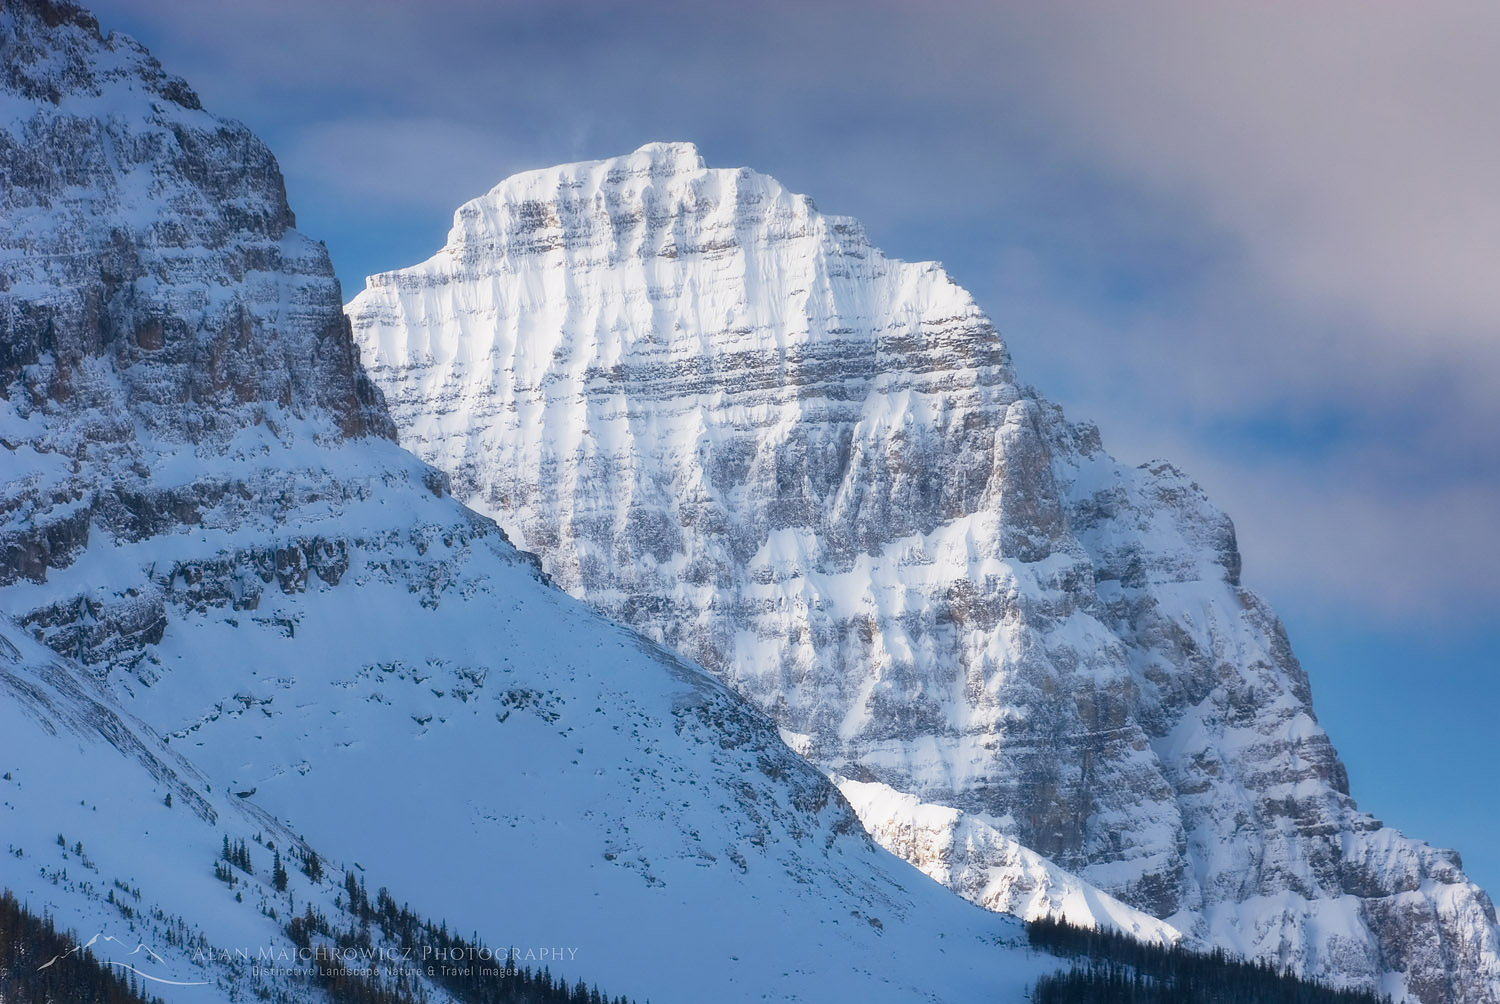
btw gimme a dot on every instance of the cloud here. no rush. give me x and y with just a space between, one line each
1329 368
430 164
1351 147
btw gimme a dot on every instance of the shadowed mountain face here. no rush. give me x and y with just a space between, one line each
154 297
727 420
207 522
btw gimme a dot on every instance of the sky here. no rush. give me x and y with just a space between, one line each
1259 239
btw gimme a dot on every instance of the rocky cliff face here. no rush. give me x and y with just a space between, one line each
728 420
154 299
206 521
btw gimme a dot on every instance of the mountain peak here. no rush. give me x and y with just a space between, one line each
720 245
651 161
56 50
729 421
681 154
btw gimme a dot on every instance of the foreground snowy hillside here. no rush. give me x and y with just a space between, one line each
203 513
728 420
112 834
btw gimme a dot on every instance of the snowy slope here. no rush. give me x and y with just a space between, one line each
728 420
533 772
129 867
517 767
203 513
971 855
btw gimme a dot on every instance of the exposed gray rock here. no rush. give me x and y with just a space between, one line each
154 298
731 422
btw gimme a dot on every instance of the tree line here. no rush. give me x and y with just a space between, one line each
497 981
28 942
1112 968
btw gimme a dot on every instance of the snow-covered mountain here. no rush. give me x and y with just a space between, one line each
727 420
251 598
